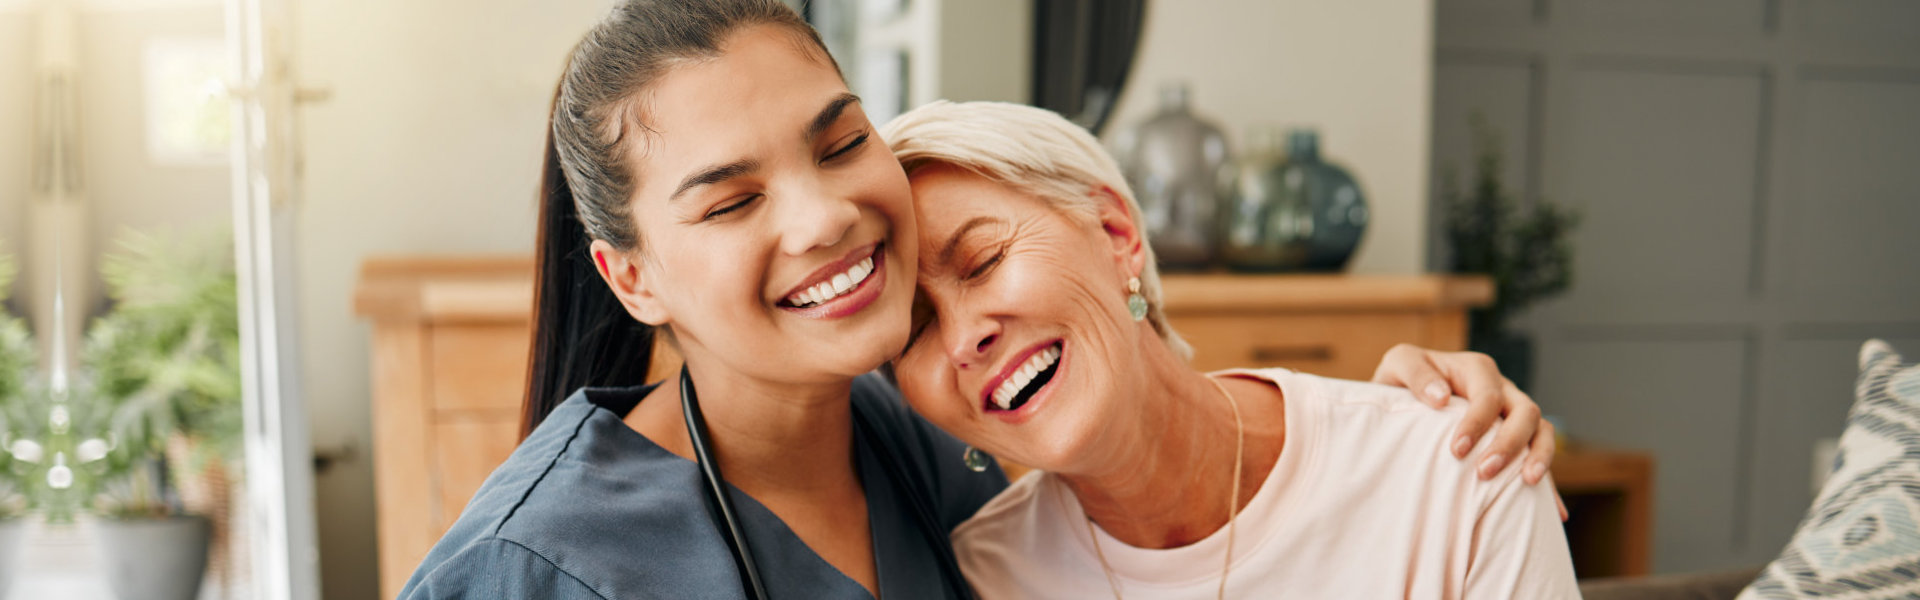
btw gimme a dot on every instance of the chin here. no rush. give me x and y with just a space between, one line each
879 340
1061 439
1046 452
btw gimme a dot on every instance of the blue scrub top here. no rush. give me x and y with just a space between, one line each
588 508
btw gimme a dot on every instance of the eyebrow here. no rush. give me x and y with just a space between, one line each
714 174
953 241
828 115
719 173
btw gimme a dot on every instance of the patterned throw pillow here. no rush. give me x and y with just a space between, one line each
1862 537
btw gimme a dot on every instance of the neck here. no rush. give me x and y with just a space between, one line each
1174 492
756 430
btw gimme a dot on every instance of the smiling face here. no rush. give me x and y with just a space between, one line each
1021 337
776 228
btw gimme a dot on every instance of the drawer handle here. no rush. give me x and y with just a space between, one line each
1266 354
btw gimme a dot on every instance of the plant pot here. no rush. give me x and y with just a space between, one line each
1512 352
12 530
154 559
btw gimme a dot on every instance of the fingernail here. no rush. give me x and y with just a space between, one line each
1437 391
1492 465
1535 471
1461 445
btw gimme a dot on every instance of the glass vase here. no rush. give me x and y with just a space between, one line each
1289 210
1172 161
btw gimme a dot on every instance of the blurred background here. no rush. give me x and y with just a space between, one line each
265 263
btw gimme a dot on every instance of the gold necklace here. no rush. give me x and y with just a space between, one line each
1233 501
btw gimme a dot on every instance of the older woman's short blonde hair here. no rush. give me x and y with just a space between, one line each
1032 150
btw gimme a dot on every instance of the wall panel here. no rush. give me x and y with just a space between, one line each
1498 13
1855 215
1886 24
1678 399
1693 16
1499 88
1661 163
1747 173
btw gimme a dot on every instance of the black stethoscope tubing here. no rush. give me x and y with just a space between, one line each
727 518
718 500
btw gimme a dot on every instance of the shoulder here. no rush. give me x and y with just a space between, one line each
496 568
1341 413
1370 432
472 560
1012 528
591 500
933 456
526 469
1007 514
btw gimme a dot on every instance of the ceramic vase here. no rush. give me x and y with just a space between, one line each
1286 209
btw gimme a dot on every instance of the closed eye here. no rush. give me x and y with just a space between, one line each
730 207
988 265
851 146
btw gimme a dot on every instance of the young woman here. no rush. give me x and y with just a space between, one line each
711 180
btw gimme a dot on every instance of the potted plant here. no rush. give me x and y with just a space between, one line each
165 394
19 452
1526 250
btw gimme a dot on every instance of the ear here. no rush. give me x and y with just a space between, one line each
622 272
1128 245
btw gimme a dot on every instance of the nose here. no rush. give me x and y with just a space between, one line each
971 343
816 220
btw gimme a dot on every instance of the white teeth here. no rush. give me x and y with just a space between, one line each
834 286
1040 361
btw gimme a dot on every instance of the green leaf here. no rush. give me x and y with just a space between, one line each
1528 252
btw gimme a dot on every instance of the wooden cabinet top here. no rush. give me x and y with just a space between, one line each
500 289
446 289
1233 292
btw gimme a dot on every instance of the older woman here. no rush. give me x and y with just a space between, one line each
1038 336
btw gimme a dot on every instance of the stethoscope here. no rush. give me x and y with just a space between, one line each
720 504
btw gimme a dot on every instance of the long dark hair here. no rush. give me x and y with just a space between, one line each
582 336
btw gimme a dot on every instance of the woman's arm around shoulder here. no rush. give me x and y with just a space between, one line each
493 568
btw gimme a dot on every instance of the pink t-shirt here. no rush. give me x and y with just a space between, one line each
1365 502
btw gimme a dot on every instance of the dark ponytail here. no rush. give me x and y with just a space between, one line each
582 336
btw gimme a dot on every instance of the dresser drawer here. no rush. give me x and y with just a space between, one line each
1344 345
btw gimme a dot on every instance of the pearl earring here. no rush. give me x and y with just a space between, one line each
1136 304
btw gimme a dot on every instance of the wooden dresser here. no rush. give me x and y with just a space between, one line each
450 357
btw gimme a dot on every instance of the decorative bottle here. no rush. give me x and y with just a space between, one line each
1173 160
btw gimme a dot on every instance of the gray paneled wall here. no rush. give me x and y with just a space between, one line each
1749 173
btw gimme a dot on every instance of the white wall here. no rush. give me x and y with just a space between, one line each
16 125
125 188
1358 70
429 144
